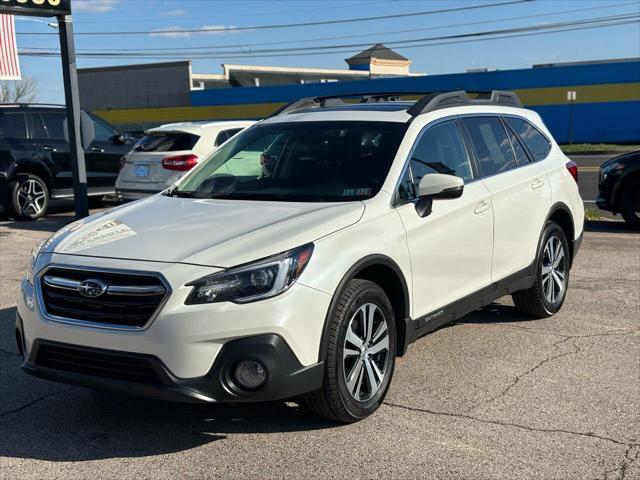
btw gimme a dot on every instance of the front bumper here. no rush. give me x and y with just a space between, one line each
3 185
186 339
287 378
602 203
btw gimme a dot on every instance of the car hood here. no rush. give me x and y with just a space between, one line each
218 233
627 158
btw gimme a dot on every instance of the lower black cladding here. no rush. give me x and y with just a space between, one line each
115 366
145 375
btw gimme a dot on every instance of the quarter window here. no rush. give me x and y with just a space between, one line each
441 150
535 141
521 155
490 142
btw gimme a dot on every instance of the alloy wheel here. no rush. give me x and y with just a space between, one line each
554 270
366 352
31 197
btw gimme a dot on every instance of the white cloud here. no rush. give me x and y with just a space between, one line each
94 6
178 12
176 32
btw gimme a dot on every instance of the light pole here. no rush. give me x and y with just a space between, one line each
571 97
72 101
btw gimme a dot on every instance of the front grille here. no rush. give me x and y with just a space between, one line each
98 363
127 300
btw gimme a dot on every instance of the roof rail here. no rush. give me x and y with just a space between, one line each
309 102
336 100
427 103
436 101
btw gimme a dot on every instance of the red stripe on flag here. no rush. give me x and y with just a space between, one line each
9 64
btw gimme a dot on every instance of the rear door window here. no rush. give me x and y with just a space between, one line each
36 126
535 141
491 144
13 125
166 142
54 123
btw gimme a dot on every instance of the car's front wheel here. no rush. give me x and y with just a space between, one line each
630 203
27 198
361 350
548 292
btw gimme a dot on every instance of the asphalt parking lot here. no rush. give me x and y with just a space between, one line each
495 395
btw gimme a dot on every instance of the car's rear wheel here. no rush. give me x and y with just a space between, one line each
546 296
361 350
630 203
27 197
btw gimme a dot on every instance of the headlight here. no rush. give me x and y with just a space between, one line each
612 167
255 281
33 257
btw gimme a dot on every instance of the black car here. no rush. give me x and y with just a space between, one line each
619 186
35 164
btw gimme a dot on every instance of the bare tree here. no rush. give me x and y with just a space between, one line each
23 91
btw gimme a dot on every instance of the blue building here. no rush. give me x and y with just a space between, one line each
606 106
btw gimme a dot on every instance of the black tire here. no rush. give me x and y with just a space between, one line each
31 189
630 202
334 401
535 301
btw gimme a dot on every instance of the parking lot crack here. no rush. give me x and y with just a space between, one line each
33 402
464 416
567 336
519 377
631 454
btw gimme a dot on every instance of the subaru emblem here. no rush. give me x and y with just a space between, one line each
92 288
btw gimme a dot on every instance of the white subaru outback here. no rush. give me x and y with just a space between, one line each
360 228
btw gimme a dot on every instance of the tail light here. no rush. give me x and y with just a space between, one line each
573 169
181 163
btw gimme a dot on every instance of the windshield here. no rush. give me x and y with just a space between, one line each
299 162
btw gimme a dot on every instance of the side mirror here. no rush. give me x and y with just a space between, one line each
119 139
437 186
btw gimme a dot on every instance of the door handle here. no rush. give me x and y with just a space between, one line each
97 149
49 148
482 207
537 183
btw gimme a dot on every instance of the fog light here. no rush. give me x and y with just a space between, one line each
250 374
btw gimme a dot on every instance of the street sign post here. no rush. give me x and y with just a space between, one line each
62 10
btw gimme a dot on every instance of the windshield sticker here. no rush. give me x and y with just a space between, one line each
103 233
356 192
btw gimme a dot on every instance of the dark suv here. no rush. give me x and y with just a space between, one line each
619 186
35 164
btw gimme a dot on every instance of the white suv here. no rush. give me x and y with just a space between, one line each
167 152
305 273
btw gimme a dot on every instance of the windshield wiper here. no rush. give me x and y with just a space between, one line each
275 197
182 194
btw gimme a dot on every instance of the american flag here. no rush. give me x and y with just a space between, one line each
9 66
